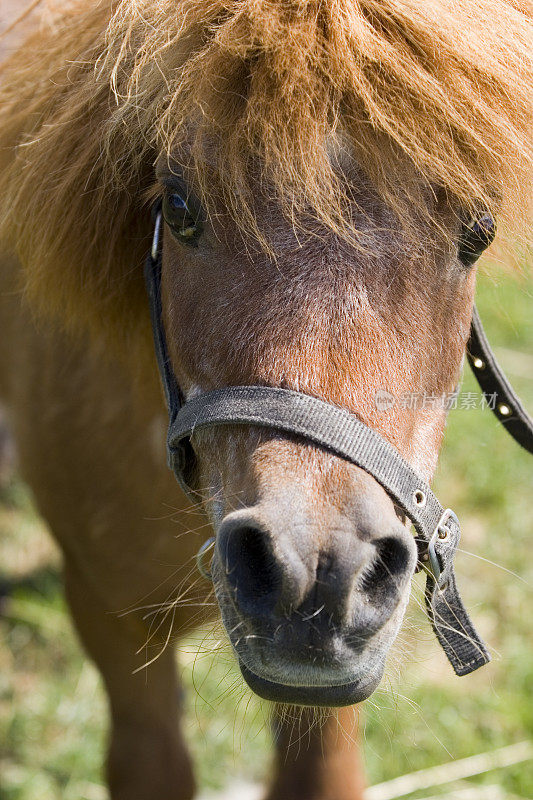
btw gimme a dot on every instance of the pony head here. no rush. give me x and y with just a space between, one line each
316 162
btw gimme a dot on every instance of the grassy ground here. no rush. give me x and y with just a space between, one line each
52 708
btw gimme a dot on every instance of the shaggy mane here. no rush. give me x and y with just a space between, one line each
100 89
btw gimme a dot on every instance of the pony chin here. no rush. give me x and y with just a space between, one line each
336 695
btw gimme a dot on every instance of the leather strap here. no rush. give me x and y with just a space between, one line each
499 394
319 422
152 279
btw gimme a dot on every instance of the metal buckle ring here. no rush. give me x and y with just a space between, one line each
440 529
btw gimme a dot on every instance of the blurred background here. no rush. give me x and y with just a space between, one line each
52 706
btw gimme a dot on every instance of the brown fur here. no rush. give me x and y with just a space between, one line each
333 144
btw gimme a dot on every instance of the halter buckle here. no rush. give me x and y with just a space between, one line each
427 554
442 533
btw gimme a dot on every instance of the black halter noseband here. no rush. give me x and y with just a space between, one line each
343 434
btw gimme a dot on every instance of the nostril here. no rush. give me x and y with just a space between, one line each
251 568
394 555
388 568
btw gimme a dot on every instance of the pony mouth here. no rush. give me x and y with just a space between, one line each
329 696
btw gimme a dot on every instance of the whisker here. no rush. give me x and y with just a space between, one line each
160 653
495 564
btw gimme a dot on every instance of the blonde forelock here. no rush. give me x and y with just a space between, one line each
245 92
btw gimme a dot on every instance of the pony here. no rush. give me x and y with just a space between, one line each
315 160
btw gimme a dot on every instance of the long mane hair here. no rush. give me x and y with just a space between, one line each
230 87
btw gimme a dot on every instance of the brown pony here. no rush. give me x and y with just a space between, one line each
315 158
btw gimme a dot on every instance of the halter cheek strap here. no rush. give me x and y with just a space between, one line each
342 433
500 395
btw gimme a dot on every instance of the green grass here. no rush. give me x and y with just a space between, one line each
52 707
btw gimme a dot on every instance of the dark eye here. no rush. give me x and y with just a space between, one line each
476 234
183 217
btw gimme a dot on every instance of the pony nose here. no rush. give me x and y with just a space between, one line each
355 576
263 574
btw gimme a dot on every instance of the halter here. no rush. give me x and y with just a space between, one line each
338 431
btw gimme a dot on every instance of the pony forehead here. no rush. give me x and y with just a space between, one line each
175 165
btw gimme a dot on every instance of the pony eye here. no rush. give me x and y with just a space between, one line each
476 235
182 218
176 201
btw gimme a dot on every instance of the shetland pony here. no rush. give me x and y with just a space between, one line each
315 160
